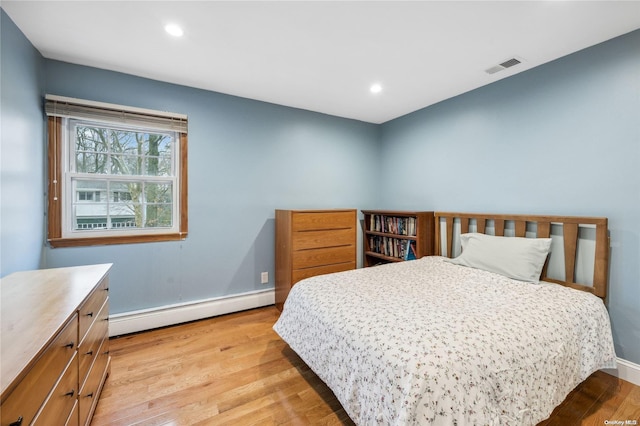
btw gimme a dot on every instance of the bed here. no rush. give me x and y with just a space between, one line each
435 341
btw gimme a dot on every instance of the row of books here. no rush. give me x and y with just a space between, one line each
393 224
393 247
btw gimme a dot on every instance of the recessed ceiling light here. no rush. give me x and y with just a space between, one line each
375 88
174 30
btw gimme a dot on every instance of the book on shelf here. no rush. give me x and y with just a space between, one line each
410 251
393 247
398 225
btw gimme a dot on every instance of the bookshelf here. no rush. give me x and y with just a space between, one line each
396 236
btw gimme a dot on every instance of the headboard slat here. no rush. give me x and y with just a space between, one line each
464 225
480 222
450 236
544 229
521 228
601 267
498 225
570 236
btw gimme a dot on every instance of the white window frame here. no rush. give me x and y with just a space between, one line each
70 174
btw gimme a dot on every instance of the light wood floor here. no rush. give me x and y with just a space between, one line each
235 370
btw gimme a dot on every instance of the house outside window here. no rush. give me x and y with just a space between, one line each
117 175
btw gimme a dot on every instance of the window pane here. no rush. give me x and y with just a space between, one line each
156 144
125 142
124 191
158 192
91 139
89 207
90 162
158 155
126 165
158 216
157 166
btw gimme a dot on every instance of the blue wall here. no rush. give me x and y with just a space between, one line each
21 151
246 158
563 138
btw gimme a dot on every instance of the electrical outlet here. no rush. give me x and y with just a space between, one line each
264 278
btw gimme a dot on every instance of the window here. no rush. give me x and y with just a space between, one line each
116 174
88 195
121 196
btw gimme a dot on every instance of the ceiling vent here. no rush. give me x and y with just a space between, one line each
503 66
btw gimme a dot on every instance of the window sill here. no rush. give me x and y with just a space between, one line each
128 239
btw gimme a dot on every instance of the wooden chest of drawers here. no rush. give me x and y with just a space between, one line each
312 242
55 345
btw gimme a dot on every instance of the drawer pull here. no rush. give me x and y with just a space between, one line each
89 395
70 345
70 393
17 422
90 314
89 353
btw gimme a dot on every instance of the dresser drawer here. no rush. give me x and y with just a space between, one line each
89 392
88 349
323 256
28 396
309 221
73 417
62 400
328 238
300 274
89 310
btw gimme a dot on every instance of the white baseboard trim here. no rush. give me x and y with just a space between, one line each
626 370
147 319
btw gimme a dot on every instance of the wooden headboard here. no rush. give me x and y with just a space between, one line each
541 226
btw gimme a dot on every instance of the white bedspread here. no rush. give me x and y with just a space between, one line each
429 342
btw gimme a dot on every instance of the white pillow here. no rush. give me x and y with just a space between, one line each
514 257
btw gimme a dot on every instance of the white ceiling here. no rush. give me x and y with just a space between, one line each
324 55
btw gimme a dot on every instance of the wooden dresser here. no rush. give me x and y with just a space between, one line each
55 345
312 242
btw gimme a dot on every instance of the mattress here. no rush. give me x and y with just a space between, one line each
430 342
